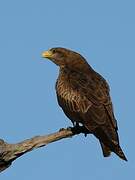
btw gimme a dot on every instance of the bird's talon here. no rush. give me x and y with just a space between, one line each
61 129
69 128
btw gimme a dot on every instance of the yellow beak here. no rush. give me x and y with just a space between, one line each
47 54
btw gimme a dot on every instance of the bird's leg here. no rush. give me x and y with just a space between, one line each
77 129
80 128
76 124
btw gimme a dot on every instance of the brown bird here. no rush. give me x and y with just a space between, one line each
83 94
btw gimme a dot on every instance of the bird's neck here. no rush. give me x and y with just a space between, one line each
81 67
70 76
64 74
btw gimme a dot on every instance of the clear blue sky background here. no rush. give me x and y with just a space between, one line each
102 31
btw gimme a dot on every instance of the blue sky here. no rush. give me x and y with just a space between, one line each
104 33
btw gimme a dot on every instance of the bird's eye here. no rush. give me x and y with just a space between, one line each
54 51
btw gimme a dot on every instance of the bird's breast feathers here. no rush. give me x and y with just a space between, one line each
69 96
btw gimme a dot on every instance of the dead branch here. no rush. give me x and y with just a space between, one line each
10 152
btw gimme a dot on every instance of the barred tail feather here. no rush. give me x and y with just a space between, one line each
106 150
120 153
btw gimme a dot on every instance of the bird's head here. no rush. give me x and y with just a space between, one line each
65 58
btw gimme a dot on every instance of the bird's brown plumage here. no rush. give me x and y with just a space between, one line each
83 94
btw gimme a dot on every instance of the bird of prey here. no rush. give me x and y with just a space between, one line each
83 94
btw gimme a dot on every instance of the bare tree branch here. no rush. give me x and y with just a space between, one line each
10 152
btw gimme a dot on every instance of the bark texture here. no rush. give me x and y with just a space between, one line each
10 152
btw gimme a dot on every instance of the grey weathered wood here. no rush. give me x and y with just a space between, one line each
10 152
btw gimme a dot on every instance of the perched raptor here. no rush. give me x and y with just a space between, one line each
83 94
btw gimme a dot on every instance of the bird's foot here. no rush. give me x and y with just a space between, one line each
85 131
79 129
69 128
61 129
